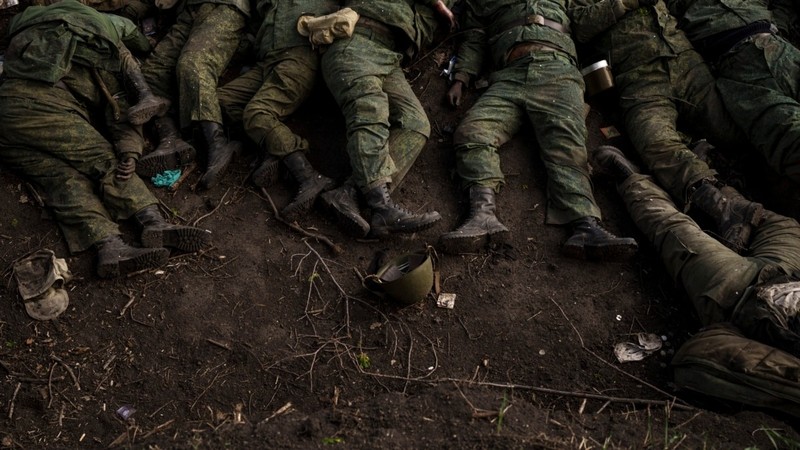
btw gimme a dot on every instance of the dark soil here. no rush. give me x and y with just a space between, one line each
268 340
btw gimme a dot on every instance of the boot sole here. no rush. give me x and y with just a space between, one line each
140 116
267 173
385 230
211 179
153 164
188 239
460 244
605 253
352 223
157 257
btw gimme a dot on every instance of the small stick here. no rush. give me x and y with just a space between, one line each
196 221
130 302
163 426
13 399
335 248
69 371
184 175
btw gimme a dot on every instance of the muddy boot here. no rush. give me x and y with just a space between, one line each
591 241
115 258
735 216
389 217
481 227
149 105
220 153
157 232
266 174
171 153
343 203
612 162
311 184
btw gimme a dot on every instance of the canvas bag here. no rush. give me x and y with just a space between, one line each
720 362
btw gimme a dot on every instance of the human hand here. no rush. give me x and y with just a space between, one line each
125 169
166 4
456 93
445 12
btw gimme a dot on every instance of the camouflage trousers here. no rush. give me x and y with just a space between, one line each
192 56
658 96
387 127
546 89
714 277
269 93
47 138
760 85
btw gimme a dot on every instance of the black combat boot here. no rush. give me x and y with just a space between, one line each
157 232
389 217
149 105
589 240
220 152
343 203
311 184
481 227
115 258
171 153
266 174
735 216
612 162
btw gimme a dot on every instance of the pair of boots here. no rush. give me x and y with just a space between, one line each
734 215
588 240
387 216
115 257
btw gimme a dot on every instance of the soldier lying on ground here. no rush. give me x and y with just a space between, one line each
535 78
191 57
275 88
661 80
386 125
62 64
756 294
758 73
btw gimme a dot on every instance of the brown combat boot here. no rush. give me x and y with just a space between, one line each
171 153
311 184
220 153
115 258
589 240
389 217
480 229
157 232
734 215
343 203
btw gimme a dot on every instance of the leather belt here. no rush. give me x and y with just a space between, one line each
534 19
375 30
526 48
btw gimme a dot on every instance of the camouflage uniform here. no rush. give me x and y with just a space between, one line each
386 125
545 87
194 54
758 73
661 79
282 80
46 115
716 279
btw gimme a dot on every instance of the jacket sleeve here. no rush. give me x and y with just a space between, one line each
473 48
591 17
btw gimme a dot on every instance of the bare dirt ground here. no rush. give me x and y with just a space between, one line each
268 340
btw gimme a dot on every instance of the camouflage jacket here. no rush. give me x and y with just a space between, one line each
700 19
279 22
414 18
47 40
489 33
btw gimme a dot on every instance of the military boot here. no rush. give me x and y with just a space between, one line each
734 215
481 227
149 105
115 258
157 232
389 217
343 203
612 162
589 240
220 152
311 184
266 173
171 153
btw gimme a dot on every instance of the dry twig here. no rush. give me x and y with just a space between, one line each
335 248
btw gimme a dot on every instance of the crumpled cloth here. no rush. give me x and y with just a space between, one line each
40 279
324 29
166 178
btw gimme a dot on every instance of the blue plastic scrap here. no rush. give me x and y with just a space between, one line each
166 178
